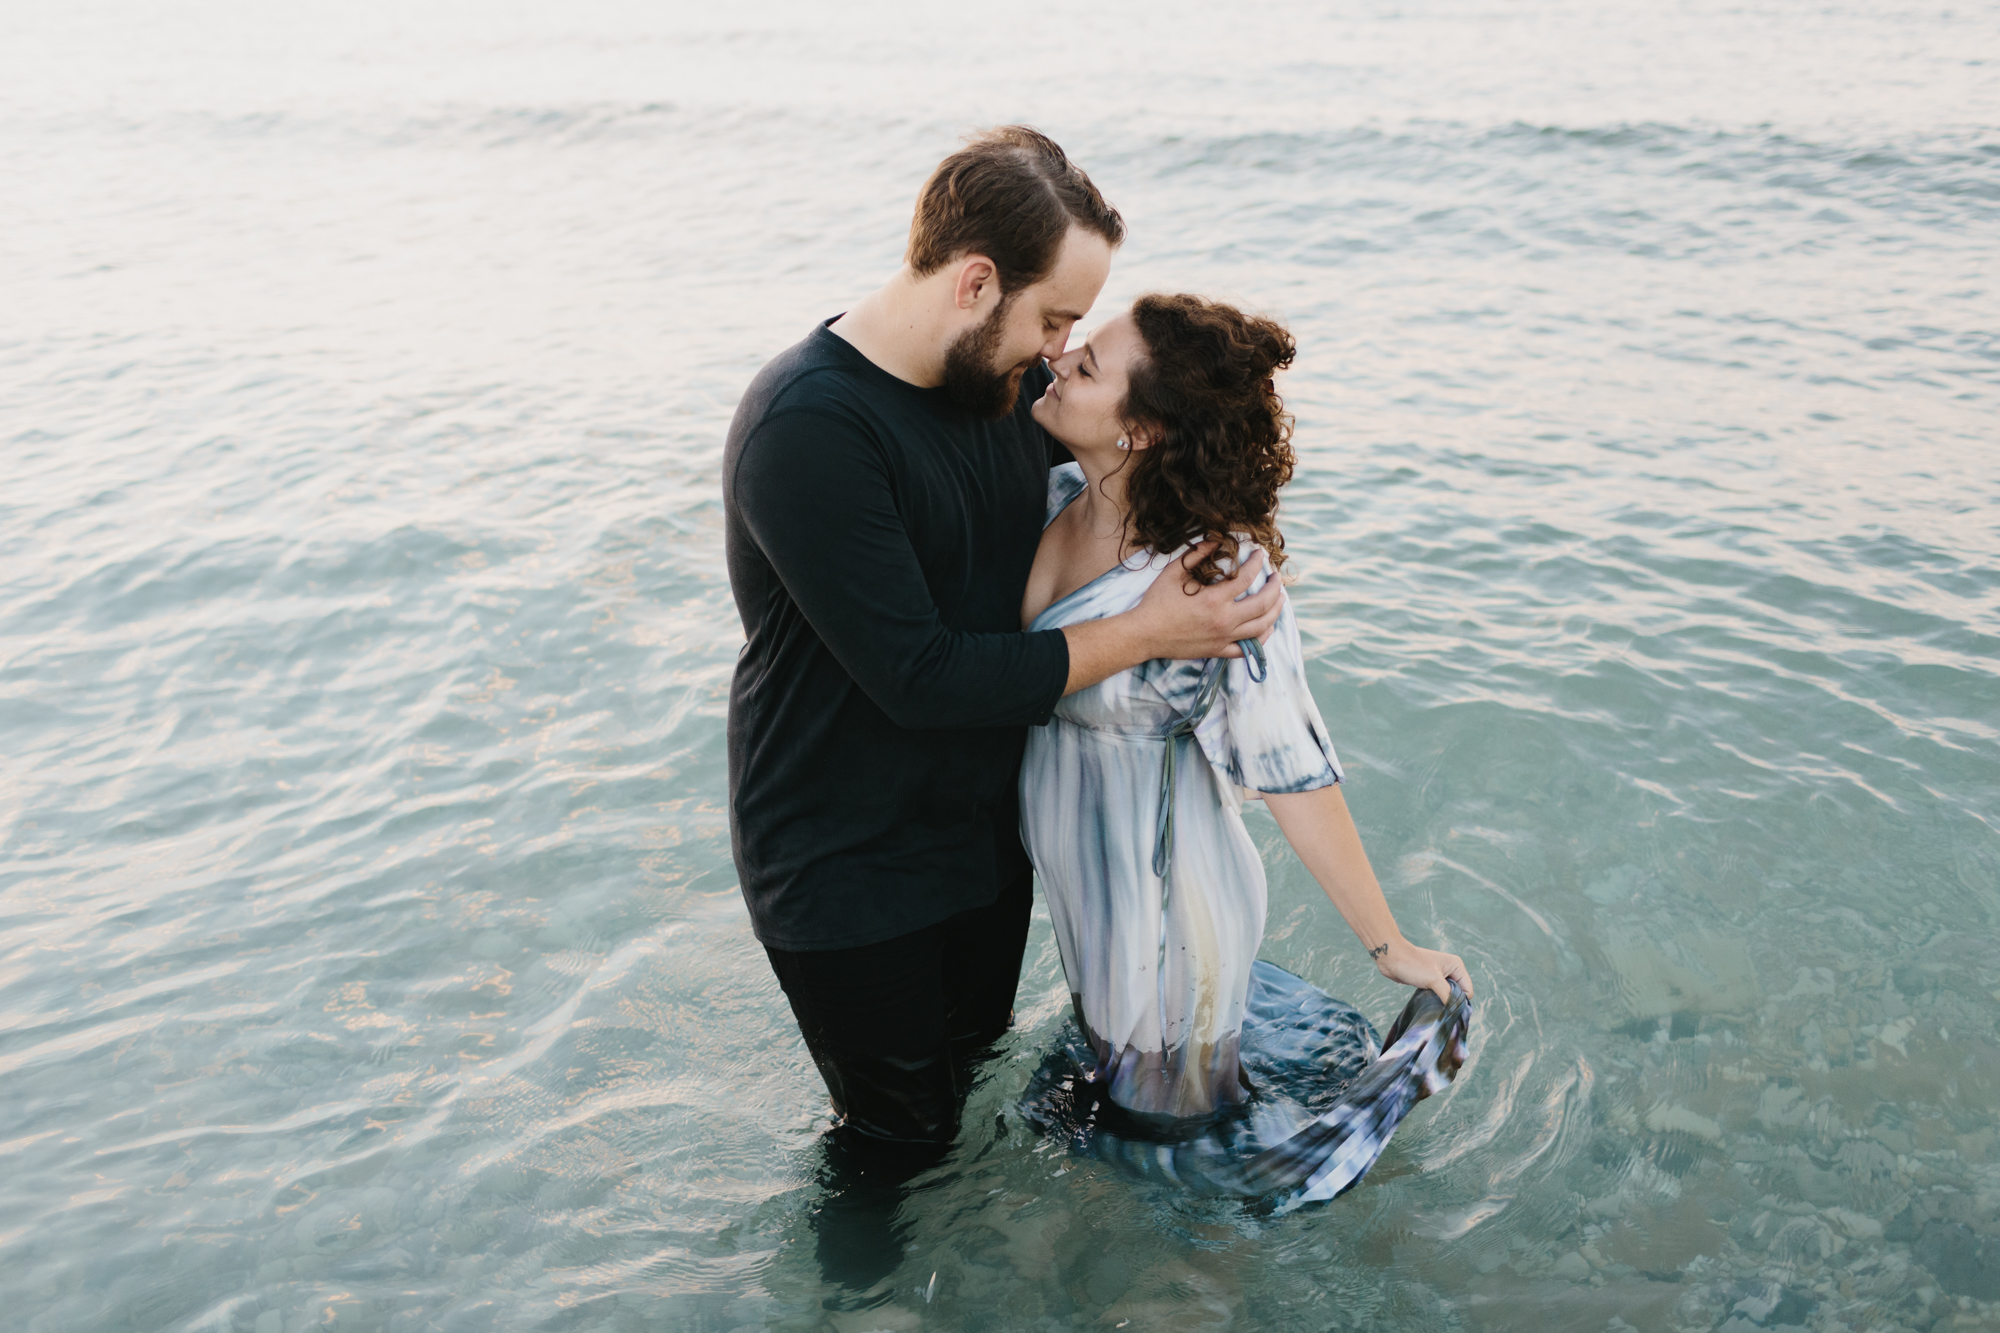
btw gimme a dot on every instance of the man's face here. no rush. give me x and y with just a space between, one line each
984 365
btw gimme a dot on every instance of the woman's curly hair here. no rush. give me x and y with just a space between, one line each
1225 443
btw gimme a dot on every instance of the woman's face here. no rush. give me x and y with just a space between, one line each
1081 407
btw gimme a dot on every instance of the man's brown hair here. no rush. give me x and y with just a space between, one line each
1010 194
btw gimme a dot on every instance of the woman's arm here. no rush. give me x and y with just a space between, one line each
1321 831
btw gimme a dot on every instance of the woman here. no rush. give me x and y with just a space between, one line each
1130 796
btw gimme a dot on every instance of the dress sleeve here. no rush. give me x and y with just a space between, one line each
1268 735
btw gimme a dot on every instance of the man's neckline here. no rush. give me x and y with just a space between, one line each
855 354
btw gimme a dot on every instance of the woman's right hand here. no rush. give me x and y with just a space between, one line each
1404 963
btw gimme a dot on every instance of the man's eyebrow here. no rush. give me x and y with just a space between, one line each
1069 315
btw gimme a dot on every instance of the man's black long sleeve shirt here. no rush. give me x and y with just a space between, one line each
879 541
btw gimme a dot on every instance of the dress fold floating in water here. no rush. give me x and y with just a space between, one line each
1327 1097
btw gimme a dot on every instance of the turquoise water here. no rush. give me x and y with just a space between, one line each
370 955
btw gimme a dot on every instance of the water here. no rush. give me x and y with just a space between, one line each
370 956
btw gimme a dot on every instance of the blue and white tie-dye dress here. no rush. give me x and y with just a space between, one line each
1131 809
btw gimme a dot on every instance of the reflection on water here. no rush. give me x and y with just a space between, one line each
372 956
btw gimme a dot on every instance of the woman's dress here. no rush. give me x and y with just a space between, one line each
1130 800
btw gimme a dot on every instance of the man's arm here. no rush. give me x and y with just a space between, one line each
1177 617
813 493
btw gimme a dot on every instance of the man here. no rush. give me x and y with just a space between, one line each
884 490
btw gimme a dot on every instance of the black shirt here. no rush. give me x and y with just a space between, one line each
879 542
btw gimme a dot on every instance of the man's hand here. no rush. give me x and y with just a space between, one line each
1178 617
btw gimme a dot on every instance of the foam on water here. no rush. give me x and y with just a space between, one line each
369 950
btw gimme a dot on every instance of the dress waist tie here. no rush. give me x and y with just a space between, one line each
1182 733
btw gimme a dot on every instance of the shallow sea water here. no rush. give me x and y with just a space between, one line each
370 955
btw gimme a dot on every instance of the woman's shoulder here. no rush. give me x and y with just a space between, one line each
1246 548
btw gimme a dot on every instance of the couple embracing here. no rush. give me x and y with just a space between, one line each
1010 611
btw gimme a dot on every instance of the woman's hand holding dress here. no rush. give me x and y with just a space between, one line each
1322 832
1430 969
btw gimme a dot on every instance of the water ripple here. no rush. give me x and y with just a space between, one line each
370 955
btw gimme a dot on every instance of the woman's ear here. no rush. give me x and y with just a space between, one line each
1142 437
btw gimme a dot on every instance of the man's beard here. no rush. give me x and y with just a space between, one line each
970 380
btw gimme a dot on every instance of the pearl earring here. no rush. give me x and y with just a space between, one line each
1122 444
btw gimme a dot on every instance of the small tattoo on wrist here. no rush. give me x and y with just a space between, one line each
1378 952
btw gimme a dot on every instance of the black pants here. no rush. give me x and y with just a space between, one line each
893 1026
